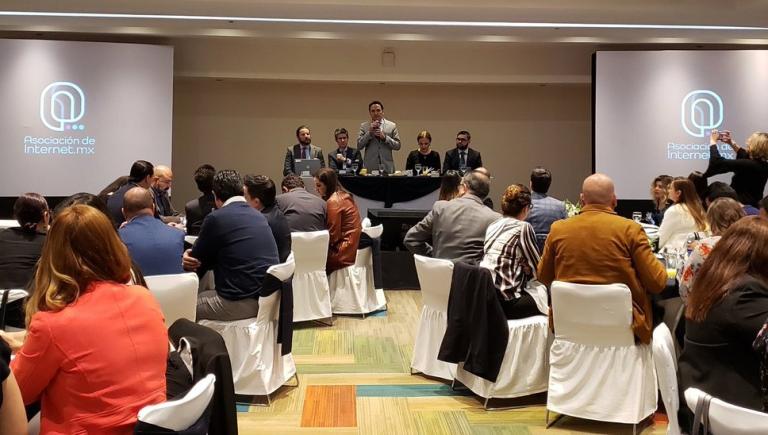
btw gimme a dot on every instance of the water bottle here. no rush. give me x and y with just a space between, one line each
688 243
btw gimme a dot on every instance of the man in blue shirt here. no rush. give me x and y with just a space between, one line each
545 209
153 245
235 242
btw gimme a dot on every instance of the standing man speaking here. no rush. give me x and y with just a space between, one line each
378 137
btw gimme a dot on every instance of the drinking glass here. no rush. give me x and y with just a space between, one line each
417 166
354 167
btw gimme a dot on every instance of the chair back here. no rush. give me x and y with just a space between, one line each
666 374
283 271
366 222
374 232
269 306
435 277
592 314
310 250
176 294
725 418
180 414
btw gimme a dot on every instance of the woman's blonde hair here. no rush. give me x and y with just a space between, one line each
758 145
82 247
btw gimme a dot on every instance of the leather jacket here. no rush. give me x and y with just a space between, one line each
344 226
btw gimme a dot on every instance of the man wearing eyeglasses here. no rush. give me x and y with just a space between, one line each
162 178
462 158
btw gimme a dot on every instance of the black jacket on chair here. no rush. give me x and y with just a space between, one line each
477 331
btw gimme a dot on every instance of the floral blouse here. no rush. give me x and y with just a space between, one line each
694 263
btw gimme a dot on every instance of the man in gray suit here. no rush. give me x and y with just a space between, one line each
303 210
455 229
378 137
302 150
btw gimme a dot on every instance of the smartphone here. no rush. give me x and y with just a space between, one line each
723 135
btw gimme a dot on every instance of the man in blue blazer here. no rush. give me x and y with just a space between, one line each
153 245
235 242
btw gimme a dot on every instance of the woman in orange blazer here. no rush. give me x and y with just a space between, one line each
96 349
343 221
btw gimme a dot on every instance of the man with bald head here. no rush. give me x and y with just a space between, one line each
599 247
156 247
162 178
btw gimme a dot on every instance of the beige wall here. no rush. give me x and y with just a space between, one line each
247 125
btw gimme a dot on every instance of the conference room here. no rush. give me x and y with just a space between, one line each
373 111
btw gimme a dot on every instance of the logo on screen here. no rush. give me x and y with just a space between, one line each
701 111
62 105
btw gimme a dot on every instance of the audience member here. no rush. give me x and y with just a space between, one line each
236 243
96 350
141 175
162 178
344 223
455 230
83 198
197 209
750 168
462 157
660 198
700 183
344 155
378 137
302 150
727 306
12 416
763 213
599 247
684 217
112 187
260 194
721 214
718 189
545 209
303 210
488 202
424 156
153 245
449 186
511 254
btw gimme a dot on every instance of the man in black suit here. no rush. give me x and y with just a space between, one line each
236 243
141 176
462 157
302 150
197 209
304 211
344 156
260 194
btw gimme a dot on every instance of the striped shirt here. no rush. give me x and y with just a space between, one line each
511 255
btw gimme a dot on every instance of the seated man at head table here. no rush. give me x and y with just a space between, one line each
236 243
599 247
344 156
302 150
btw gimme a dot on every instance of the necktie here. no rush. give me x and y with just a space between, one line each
463 159
306 153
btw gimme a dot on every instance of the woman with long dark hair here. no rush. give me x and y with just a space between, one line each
684 217
343 220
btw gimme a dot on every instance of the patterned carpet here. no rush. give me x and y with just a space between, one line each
354 378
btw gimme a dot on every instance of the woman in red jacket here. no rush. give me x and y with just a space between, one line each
96 349
343 221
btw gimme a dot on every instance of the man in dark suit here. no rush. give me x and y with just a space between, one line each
236 243
197 209
302 150
260 194
344 156
153 245
303 210
140 175
455 229
162 179
462 157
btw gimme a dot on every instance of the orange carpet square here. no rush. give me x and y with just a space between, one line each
329 406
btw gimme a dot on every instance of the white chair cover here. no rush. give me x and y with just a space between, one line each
525 367
176 294
311 295
373 232
596 370
180 414
258 368
728 419
352 288
8 223
666 373
435 280
366 223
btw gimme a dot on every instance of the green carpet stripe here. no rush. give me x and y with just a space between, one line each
408 391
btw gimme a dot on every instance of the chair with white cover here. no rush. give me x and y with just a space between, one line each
666 373
353 290
258 366
435 281
181 414
723 418
366 223
176 294
525 367
596 370
311 294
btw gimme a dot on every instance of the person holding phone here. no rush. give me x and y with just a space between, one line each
750 167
